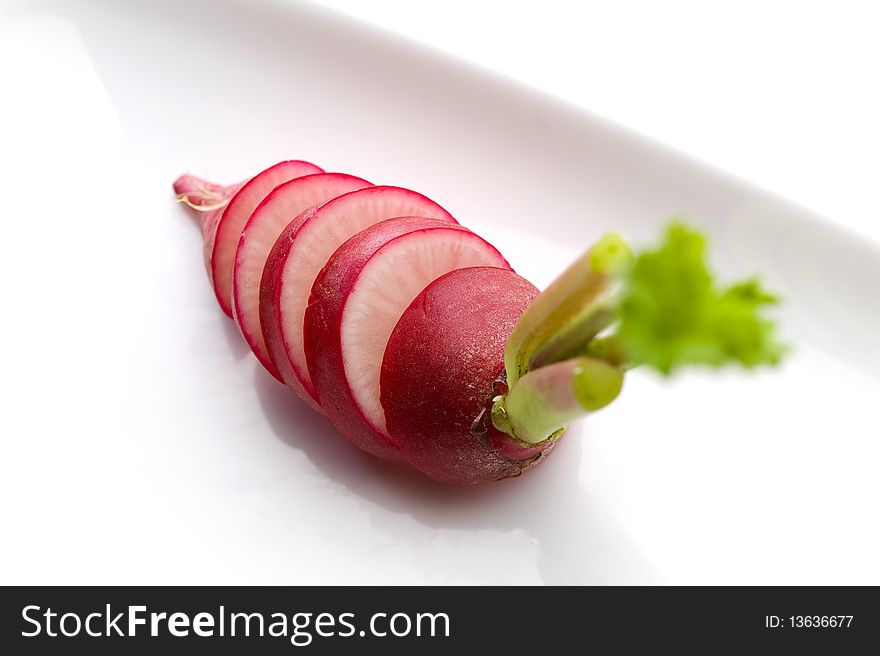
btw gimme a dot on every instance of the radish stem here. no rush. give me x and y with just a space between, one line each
572 310
550 397
666 311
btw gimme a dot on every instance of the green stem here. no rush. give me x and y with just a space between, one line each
550 381
576 307
669 312
548 398
610 349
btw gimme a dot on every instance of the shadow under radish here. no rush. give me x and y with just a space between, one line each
237 346
577 541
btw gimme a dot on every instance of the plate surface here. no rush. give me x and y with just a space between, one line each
145 445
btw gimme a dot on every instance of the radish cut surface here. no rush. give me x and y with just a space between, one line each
389 282
223 241
303 249
286 204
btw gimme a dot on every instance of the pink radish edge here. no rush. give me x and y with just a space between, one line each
283 206
225 236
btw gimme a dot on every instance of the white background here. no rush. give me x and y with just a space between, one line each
143 444
783 93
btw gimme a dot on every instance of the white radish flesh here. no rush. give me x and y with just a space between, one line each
224 237
284 204
301 252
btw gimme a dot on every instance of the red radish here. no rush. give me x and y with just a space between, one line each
284 206
223 240
438 375
300 253
355 303
423 346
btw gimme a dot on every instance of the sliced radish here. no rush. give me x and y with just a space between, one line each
300 253
357 300
285 204
223 239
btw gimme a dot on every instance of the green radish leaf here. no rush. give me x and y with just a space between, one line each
673 313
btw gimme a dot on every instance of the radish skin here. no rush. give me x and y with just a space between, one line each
438 376
207 200
299 254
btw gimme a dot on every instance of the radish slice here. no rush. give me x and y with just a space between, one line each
300 253
222 242
387 285
355 304
285 205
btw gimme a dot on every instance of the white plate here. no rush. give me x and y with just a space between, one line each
144 445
